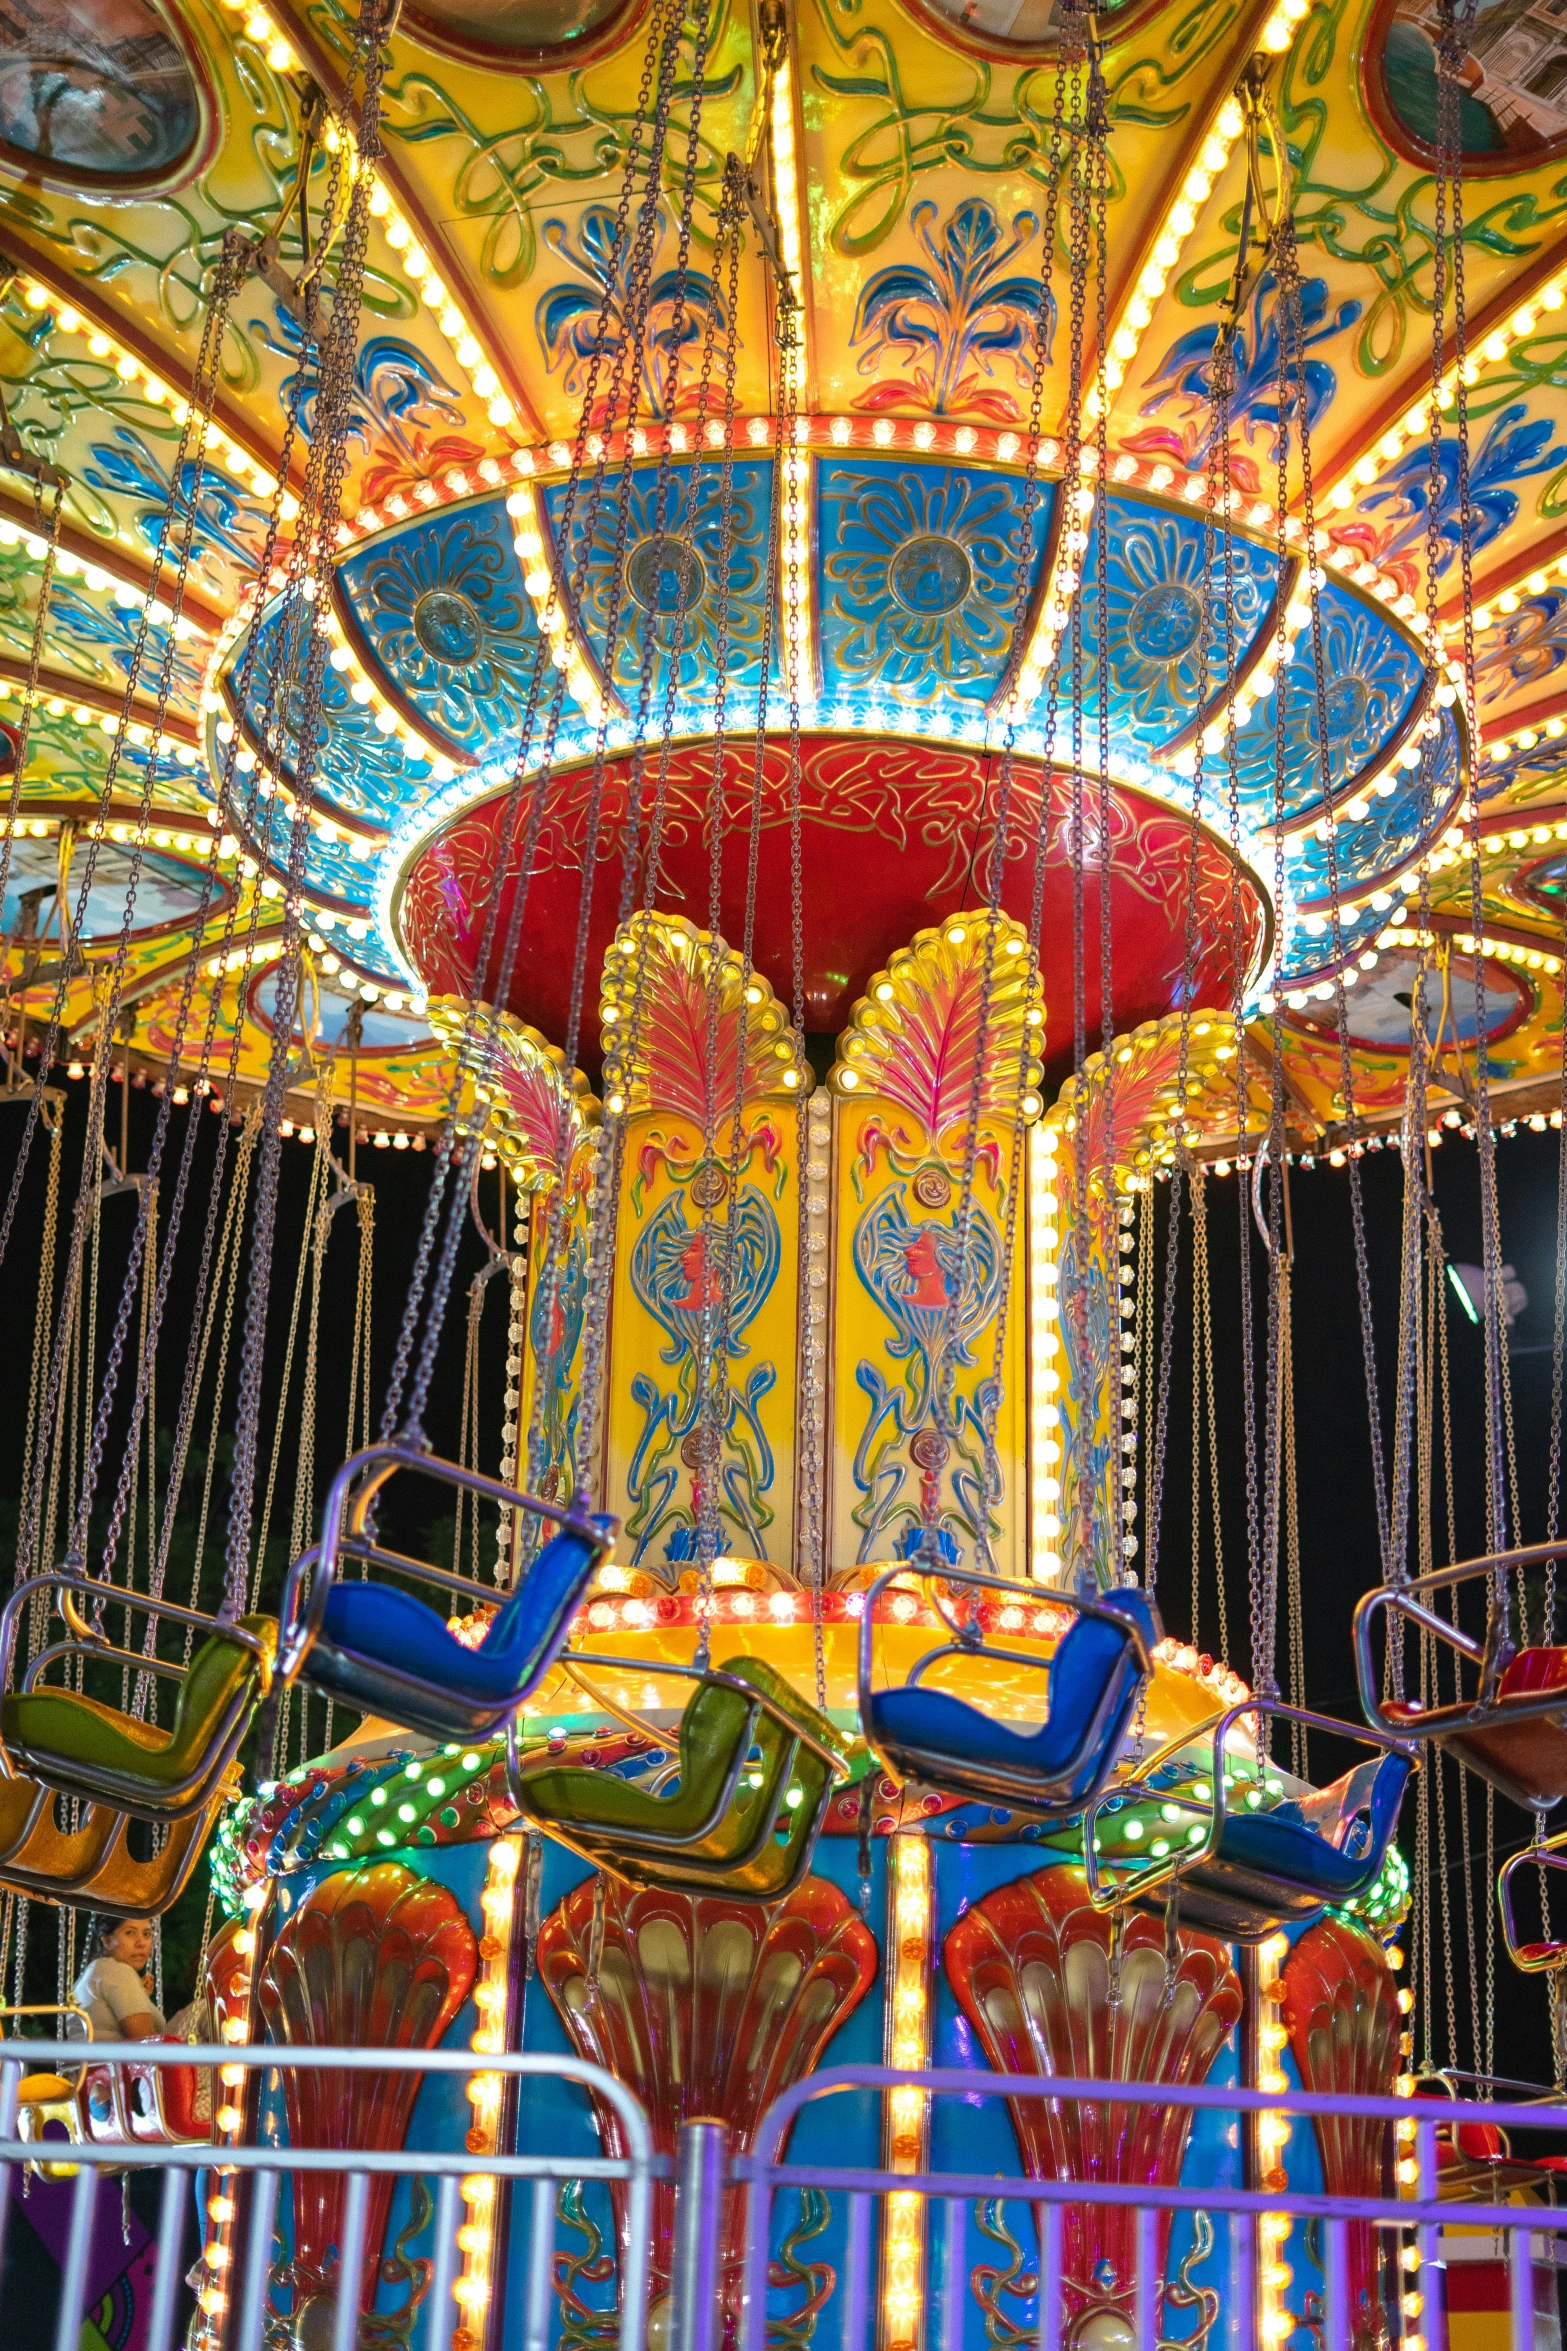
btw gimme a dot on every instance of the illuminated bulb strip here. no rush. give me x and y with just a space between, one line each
88 722
474 2238
816 1171
132 369
1525 738
259 24
1496 950
365 689
1177 225
549 606
228 2122
1534 584
1276 2322
1044 1350
906 2118
1416 425
786 199
125 594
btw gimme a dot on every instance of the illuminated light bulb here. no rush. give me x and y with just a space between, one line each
229 2118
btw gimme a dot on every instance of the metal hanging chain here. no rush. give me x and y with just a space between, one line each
311 572
193 434
1294 338
455 1153
603 1223
1023 550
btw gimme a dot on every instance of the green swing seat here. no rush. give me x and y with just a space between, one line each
755 1769
82 1747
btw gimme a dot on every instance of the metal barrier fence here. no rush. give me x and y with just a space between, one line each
711 2268
252 2255
948 2197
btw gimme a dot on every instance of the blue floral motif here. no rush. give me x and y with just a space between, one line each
229 521
397 392
951 321
443 607
1522 647
1386 837
916 599
1372 674
567 316
670 588
358 769
1186 371
106 629
1161 673
1510 452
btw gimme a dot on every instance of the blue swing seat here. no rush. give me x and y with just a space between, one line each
390 1654
1094 1680
1285 1866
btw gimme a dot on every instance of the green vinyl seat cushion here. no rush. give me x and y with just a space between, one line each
65 1736
603 1814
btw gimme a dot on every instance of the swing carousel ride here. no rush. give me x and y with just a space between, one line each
867 643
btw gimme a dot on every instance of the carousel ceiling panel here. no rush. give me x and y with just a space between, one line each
1362 203
665 603
915 573
363 773
925 159
1519 659
1161 567
508 164
439 611
1373 675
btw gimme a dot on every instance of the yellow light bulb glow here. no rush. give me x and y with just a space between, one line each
472 2289
906 2112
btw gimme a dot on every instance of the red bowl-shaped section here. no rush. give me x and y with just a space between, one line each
894 835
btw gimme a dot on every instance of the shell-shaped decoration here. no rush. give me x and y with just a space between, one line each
672 998
704 2006
1148 1108
1034 1969
538 1108
1341 2013
914 1035
374 1958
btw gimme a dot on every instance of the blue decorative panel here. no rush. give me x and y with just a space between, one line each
442 606
1373 675
1387 836
915 585
358 769
673 603
1161 671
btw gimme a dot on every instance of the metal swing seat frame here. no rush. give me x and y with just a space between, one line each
1232 1898
1057 1798
122 1790
670 1860
1548 1956
1452 1725
307 1652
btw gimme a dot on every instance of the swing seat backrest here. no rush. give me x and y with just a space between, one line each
1527 1758
372 1629
87 1749
760 1843
599 1807
1327 1847
1092 1690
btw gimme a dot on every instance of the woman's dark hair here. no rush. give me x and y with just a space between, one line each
101 1924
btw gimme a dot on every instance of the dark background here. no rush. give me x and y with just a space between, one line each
1338 1532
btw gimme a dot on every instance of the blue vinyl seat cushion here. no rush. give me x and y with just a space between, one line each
1331 1843
1092 1657
388 1627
